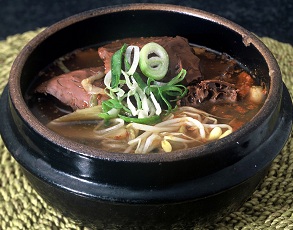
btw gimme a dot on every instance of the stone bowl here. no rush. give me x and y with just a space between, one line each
184 188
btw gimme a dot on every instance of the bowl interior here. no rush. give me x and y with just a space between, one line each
143 20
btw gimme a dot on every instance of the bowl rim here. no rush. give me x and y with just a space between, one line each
249 38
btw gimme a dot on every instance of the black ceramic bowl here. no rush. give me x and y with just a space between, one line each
187 187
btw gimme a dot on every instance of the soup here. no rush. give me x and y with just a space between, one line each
145 95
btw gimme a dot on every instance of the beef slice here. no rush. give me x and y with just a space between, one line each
67 88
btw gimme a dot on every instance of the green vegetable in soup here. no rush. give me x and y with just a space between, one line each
133 99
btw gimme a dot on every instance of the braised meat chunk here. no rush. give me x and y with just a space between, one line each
68 88
209 90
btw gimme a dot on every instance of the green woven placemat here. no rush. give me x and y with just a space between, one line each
271 206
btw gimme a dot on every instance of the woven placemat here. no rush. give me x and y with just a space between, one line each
271 206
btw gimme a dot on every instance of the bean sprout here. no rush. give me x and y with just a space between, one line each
183 128
118 123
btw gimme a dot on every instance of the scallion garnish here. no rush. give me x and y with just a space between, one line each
116 64
142 101
153 61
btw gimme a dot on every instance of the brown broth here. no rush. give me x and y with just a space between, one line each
212 65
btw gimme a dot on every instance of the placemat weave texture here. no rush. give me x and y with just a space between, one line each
270 207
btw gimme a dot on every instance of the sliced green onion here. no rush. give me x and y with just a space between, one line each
131 106
112 113
107 79
165 100
154 67
147 120
130 85
176 91
113 103
135 60
180 76
156 104
138 100
120 93
139 81
116 64
110 108
135 75
146 105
